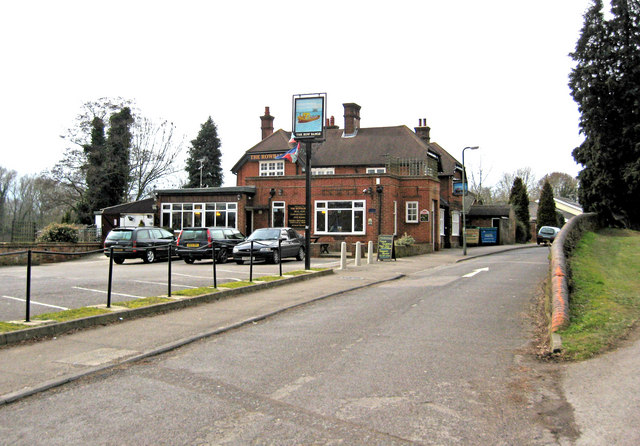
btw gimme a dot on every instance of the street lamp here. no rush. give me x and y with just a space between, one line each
202 160
464 193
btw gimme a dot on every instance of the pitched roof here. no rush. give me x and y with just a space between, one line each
489 210
367 148
448 162
135 207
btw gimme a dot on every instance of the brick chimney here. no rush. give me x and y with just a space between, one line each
351 118
331 123
267 123
423 130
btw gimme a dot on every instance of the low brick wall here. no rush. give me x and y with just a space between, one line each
560 273
37 258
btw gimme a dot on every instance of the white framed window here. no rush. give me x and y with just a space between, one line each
323 171
376 170
455 223
411 212
277 214
182 215
341 217
271 168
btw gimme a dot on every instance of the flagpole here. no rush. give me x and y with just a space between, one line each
307 226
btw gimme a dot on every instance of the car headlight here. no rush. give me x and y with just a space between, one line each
235 249
265 249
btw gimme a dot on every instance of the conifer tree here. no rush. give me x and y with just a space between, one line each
519 199
547 207
117 163
606 85
205 152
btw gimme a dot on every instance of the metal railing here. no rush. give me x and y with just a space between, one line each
171 247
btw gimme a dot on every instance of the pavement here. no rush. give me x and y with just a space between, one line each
34 366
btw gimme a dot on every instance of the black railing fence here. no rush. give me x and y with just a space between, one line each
172 246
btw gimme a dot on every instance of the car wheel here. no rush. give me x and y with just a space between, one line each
223 256
188 260
149 256
300 255
118 260
275 257
239 262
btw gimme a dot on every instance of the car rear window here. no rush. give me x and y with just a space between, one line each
547 231
194 234
119 235
216 234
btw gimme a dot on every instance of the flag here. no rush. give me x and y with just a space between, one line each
291 155
292 142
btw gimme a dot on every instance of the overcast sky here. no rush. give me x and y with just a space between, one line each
491 73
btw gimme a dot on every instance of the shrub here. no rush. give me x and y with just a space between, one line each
405 240
59 232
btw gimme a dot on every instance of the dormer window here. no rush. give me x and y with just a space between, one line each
376 170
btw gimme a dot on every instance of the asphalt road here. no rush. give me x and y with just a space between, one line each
79 283
435 358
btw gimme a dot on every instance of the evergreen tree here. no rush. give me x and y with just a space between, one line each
205 151
547 207
116 164
96 158
606 85
519 199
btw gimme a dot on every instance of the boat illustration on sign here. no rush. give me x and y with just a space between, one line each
307 117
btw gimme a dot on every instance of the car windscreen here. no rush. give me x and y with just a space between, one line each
265 234
119 235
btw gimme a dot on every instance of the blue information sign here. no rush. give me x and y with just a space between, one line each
308 117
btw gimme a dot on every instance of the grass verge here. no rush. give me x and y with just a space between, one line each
605 299
10 326
145 302
68 315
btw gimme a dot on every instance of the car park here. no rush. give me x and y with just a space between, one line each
271 245
197 243
142 242
547 234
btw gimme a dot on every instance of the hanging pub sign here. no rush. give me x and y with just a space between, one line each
309 116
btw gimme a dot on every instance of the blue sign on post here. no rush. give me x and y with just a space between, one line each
309 116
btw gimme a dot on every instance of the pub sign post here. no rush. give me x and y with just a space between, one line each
309 111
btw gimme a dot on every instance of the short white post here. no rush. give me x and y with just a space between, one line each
343 255
370 252
358 253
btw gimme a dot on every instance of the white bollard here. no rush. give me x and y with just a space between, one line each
358 253
370 252
343 255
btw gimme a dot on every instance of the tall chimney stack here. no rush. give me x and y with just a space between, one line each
423 130
267 123
351 118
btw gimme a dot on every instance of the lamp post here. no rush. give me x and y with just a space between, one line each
201 160
464 194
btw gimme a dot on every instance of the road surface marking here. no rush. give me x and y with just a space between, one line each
476 271
35 303
164 284
104 292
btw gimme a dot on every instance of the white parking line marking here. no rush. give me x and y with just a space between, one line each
190 275
104 292
35 303
164 284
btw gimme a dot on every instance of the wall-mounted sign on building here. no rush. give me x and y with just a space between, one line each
309 116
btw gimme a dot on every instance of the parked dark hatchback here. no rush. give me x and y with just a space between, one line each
146 243
196 243
265 245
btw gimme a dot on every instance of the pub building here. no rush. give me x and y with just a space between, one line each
364 182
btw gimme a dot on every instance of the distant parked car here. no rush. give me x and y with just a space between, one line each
142 242
196 243
265 245
547 234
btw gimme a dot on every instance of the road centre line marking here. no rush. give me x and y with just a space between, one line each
164 284
104 292
35 303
